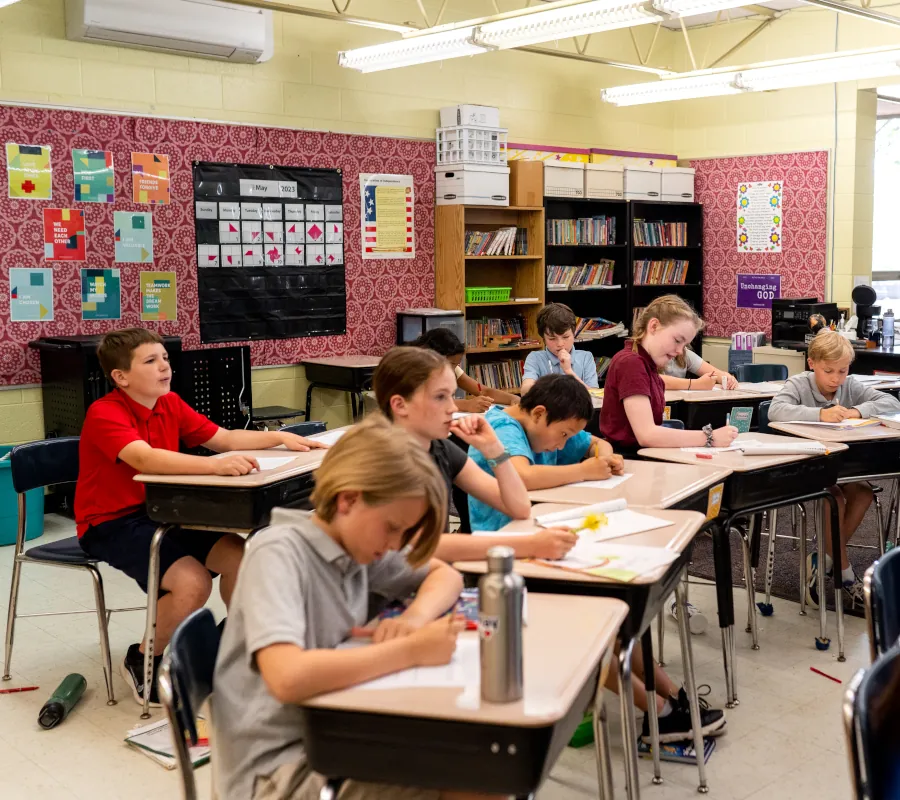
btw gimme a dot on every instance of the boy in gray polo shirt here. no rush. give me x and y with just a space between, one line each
304 587
556 324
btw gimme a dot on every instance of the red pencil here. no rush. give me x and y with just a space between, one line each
825 675
703 455
20 689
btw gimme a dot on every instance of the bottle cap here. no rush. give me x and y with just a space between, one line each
500 558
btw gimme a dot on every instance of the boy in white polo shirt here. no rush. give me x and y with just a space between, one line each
556 323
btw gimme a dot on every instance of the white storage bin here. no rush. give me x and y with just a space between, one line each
465 144
604 181
563 179
472 185
469 114
678 184
643 183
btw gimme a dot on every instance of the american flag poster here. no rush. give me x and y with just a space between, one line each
388 230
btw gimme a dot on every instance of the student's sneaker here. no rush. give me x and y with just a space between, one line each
697 622
133 673
812 579
676 727
853 591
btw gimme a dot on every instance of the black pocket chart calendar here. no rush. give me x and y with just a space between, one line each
270 252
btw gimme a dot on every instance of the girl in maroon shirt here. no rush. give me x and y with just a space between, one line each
634 396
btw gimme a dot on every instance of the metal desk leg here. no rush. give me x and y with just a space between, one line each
691 687
309 391
725 602
629 726
353 411
152 600
766 608
823 642
661 634
601 737
747 545
804 577
838 583
650 686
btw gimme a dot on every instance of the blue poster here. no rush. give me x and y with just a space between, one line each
101 296
30 295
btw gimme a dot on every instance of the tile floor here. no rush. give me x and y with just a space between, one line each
784 740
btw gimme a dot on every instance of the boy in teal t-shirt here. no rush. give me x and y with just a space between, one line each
546 441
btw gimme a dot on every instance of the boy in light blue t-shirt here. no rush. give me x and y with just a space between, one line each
556 323
545 439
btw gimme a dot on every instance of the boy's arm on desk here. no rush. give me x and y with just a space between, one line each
226 440
549 543
157 461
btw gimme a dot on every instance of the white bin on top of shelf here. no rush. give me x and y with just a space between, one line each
604 181
678 184
564 179
470 114
643 183
471 184
466 144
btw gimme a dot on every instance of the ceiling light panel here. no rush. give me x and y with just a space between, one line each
711 85
413 50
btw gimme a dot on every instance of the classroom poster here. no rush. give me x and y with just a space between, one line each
158 301
95 181
134 236
64 237
150 178
30 295
759 216
757 291
387 208
101 294
29 171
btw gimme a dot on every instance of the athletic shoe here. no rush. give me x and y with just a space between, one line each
853 591
812 579
133 673
676 726
697 622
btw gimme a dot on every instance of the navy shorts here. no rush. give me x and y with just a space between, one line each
124 543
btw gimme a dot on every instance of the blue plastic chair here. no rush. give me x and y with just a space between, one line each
762 415
871 708
674 424
305 428
759 373
881 586
36 465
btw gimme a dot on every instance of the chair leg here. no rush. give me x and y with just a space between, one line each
11 617
748 574
879 521
152 602
765 608
661 634
102 619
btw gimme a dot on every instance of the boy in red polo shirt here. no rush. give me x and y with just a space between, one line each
138 427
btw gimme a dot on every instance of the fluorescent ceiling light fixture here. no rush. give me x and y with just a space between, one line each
689 8
707 85
7 2
413 50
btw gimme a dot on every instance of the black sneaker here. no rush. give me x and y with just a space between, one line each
133 673
676 727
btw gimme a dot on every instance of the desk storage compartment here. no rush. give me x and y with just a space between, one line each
775 484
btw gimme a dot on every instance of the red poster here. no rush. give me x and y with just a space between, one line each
64 237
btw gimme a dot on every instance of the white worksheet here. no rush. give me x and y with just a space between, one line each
609 483
463 670
267 463
329 437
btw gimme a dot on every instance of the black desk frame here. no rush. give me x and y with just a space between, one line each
350 379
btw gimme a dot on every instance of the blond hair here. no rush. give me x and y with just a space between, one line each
830 346
668 310
385 463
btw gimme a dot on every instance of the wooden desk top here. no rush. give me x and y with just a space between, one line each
654 484
303 462
713 395
868 434
351 362
675 537
734 461
565 638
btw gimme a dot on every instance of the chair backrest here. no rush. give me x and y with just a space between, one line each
44 463
871 709
305 428
674 424
461 503
883 602
762 416
758 373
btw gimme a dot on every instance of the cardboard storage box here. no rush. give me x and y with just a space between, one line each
472 185
526 183
604 181
678 184
643 183
469 114
564 179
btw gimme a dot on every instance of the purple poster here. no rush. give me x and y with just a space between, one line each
757 291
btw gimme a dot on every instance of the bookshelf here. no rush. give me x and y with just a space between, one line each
454 270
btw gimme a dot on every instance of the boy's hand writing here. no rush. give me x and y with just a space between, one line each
434 644
552 543
596 469
387 629
476 431
616 464
293 442
835 414
724 436
234 465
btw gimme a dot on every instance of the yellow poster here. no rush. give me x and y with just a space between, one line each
29 170
388 223
391 233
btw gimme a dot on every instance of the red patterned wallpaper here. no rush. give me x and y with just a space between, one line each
801 263
375 289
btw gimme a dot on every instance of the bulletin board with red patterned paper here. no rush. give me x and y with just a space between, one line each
801 264
375 289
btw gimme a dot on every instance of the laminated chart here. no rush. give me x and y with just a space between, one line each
29 171
387 208
64 237
158 296
270 251
134 236
150 178
30 295
101 294
95 181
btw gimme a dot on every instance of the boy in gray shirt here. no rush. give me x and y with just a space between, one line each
827 393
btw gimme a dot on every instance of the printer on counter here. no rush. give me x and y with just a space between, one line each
790 317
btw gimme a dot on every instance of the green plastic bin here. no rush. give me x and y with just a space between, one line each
9 506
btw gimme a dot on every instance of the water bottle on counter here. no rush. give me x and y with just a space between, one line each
887 329
500 597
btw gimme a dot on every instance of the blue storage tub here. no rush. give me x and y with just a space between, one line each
9 506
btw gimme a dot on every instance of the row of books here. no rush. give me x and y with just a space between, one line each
596 328
671 271
501 242
485 331
585 230
602 363
587 275
499 374
660 234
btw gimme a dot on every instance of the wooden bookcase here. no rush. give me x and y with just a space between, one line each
454 270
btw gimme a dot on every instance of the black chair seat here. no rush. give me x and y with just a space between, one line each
65 551
272 413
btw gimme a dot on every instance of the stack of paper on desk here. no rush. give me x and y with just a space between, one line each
619 562
765 387
620 521
754 447
846 425
329 437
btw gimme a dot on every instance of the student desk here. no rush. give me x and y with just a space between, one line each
448 738
351 374
700 408
756 484
238 504
644 596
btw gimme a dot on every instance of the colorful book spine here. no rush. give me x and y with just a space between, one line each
583 231
671 272
660 234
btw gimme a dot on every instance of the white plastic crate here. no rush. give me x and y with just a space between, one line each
464 144
604 181
564 179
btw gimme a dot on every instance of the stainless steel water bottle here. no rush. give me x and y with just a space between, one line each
500 595
887 329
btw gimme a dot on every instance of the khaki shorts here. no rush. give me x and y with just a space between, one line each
298 782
